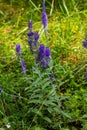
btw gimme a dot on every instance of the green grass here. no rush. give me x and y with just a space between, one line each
30 102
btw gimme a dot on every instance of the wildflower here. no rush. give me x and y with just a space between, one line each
41 52
36 36
47 52
46 58
30 25
33 46
30 34
23 66
43 58
33 39
44 15
86 76
85 42
18 49
33 36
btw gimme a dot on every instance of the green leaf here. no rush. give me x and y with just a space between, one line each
1 12
35 101
84 116
64 4
1 112
46 84
64 129
48 119
49 103
66 115
37 128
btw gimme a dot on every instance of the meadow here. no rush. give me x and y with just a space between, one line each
43 91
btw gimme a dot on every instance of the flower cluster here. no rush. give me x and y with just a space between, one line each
85 42
43 57
44 15
42 53
18 51
33 38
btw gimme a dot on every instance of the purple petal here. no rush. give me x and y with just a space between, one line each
44 15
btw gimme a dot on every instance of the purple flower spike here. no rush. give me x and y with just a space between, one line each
23 66
41 48
33 39
30 25
30 34
86 76
44 16
36 36
43 58
41 51
85 43
18 48
47 52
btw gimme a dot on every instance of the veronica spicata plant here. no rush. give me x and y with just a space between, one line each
42 53
43 100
